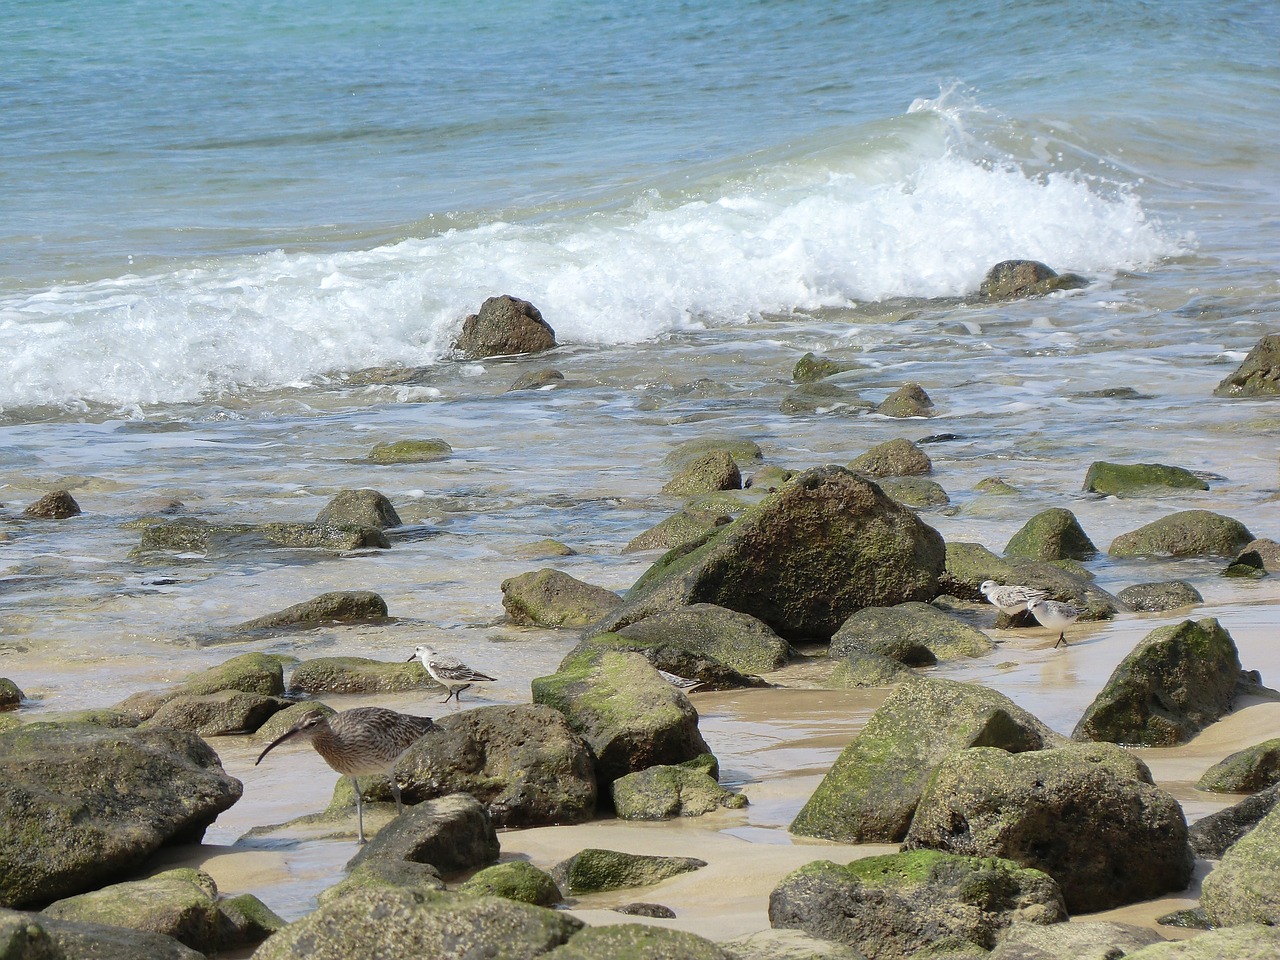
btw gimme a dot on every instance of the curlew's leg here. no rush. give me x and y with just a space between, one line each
359 811
395 790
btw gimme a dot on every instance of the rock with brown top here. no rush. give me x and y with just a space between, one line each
1011 279
58 505
909 400
1258 375
505 326
894 458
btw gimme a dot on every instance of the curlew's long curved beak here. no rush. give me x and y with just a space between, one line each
291 732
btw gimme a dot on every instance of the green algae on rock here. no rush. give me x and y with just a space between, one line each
593 870
1053 534
1138 479
1188 533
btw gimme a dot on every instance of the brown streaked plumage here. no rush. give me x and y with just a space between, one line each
357 743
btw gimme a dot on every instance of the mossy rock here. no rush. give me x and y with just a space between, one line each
859 668
1161 596
919 492
684 527
339 606
245 921
1247 941
1188 533
10 696
684 656
518 880
537 380
1139 479
810 368
745 452
894 458
286 718
216 714
33 936
714 470
361 508
593 870
1053 534
1012 279
996 486
635 941
1245 886
58 505
411 451
1245 771
915 634
909 400
734 639
811 399
546 547
666 791
551 598
420 878
1258 375
358 675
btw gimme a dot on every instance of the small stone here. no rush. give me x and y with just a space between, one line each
58 505
411 451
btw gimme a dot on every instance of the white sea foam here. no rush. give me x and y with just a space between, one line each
913 213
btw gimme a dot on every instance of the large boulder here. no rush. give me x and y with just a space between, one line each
523 763
551 598
339 606
823 545
915 634
397 924
1053 534
630 716
81 804
871 792
1188 533
1248 941
1139 479
1245 771
1214 833
505 326
364 508
33 936
1245 886
1174 683
891 907
592 870
733 639
1087 815
1258 375
453 834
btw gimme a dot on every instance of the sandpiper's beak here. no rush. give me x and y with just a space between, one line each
412 658
292 731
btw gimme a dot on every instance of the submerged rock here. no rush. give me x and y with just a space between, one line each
745 452
504 326
593 870
909 400
1011 279
811 368
716 470
195 536
550 598
1139 479
1189 533
1161 596
537 380
1258 375
411 451
918 492
825 399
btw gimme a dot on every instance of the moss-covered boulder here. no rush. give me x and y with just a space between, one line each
1175 682
80 805
1087 815
217 714
1053 534
427 450
1160 596
627 713
1213 834
398 924
663 792
734 639
1258 375
1078 940
340 606
918 492
524 763
715 470
672 654
823 399
386 875
1139 479
358 675
811 368
551 598
593 870
1188 533
1245 886
248 673
453 834
802 560
518 880
969 564
361 508
1248 941
504 326
915 634
1245 771
634 941
894 458
246 539
33 936
58 505
858 668
680 528
871 792
909 400
745 451
1011 279
10 696
244 921
894 906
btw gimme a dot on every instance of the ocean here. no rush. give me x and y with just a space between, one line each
238 238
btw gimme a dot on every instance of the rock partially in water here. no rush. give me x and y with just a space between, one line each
1212 835
871 792
1139 479
33 936
593 870
361 508
411 451
1268 550
716 470
1011 279
1245 886
1174 683
687 526
1161 596
518 880
58 505
1258 375
683 656
453 834
551 598
358 675
891 907
821 398
736 640
1245 771
197 536
386 875
10 696
80 805
259 673
217 714
339 606
1053 534
909 400
1087 815
811 368
858 668
894 458
918 492
504 326
1188 533
666 791
915 634
537 380
745 451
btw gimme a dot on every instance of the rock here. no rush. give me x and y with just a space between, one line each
1248 564
890 907
734 639
1249 941
1096 940
80 805
523 763
10 696
663 792
788 945
997 486
636 941
280 722
1188 533
210 540
745 452
245 921
248 673
1245 771
909 400
177 903
411 925
769 478
1011 279
543 548
386 875
712 471
452 834
342 606
593 870
518 880
914 634
969 564
654 910
811 368
33 936
802 560
1174 683
537 380
1052 534
823 399
1258 375
216 714
58 505
681 528
896 458
1161 596
550 598
1212 835
857 668
629 715
918 492
676 654
1087 815
358 675
1245 885
1268 550
870 793
1138 479
360 508
411 451
505 326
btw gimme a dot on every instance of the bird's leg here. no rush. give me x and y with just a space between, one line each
359 811
1062 640
395 790
457 694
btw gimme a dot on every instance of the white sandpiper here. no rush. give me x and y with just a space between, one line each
1054 615
449 672
1011 599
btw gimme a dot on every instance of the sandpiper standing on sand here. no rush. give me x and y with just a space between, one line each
1054 615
